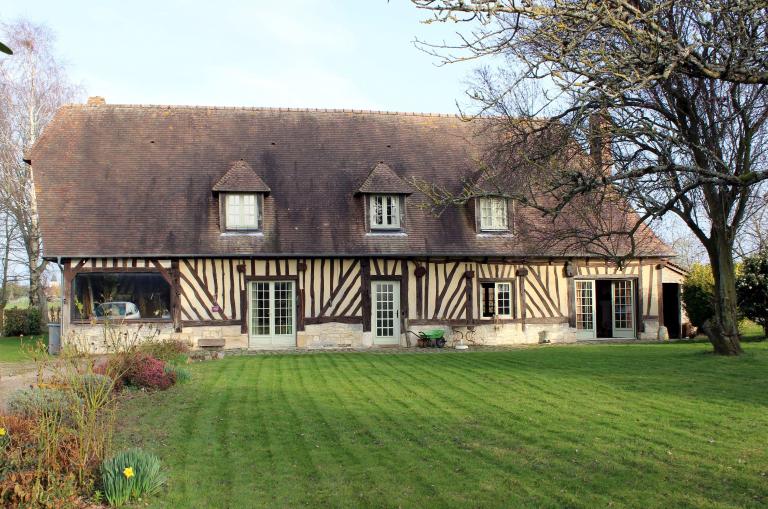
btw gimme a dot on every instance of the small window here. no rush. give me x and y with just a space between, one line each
385 212
243 212
496 299
493 213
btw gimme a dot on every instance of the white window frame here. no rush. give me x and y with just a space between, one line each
385 221
238 217
494 213
496 293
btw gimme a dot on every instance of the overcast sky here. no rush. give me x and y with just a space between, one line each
298 53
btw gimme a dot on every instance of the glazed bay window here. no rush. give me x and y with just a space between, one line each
243 211
385 212
493 213
121 296
496 299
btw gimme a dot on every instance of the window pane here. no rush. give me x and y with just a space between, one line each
242 212
378 210
584 305
488 299
260 309
283 307
493 213
504 299
385 211
121 296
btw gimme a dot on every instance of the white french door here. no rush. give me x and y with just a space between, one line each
623 309
585 309
385 311
271 314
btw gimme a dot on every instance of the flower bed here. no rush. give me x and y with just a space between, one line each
55 443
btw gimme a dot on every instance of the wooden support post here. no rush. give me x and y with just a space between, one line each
365 292
404 280
175 281
469 284
521 274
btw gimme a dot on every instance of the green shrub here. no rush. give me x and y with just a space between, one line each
180 374
18 322
130 475
698 294
752 289
38 402
166 349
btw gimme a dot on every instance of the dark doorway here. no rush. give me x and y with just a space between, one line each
671 296
603 311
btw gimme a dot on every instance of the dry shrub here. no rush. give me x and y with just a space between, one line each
29 476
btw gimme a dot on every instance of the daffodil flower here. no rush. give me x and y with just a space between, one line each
3 432
128 472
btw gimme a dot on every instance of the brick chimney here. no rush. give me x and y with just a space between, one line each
600 142
96 101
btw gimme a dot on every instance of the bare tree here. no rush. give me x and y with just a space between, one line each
33 85
677 88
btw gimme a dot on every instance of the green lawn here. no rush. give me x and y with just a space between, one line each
16 349
661 425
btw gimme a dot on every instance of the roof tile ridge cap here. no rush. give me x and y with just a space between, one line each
263 108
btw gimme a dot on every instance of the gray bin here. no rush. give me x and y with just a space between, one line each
54 338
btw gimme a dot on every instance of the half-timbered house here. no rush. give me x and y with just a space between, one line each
278 228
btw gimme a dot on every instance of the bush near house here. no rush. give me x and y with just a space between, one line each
698 294
752 289
22 322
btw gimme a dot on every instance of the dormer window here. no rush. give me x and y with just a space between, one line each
493 214
243 211
385 212
241 195
385 194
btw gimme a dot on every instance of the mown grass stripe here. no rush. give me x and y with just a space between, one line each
634 425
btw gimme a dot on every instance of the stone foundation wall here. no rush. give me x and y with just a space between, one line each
99 339
331 335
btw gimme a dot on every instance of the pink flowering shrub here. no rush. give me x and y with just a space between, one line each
149 373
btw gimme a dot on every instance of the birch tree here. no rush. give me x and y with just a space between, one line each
678 89
33 85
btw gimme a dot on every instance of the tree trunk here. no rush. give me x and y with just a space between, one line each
723 329
36 269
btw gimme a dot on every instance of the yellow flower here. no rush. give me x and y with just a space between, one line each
128 472
3 432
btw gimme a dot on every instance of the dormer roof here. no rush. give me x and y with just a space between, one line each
240 178
382 179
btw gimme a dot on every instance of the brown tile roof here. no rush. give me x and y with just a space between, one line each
241 178
383 179
115 180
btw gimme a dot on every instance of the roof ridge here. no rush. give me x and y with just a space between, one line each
265 108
